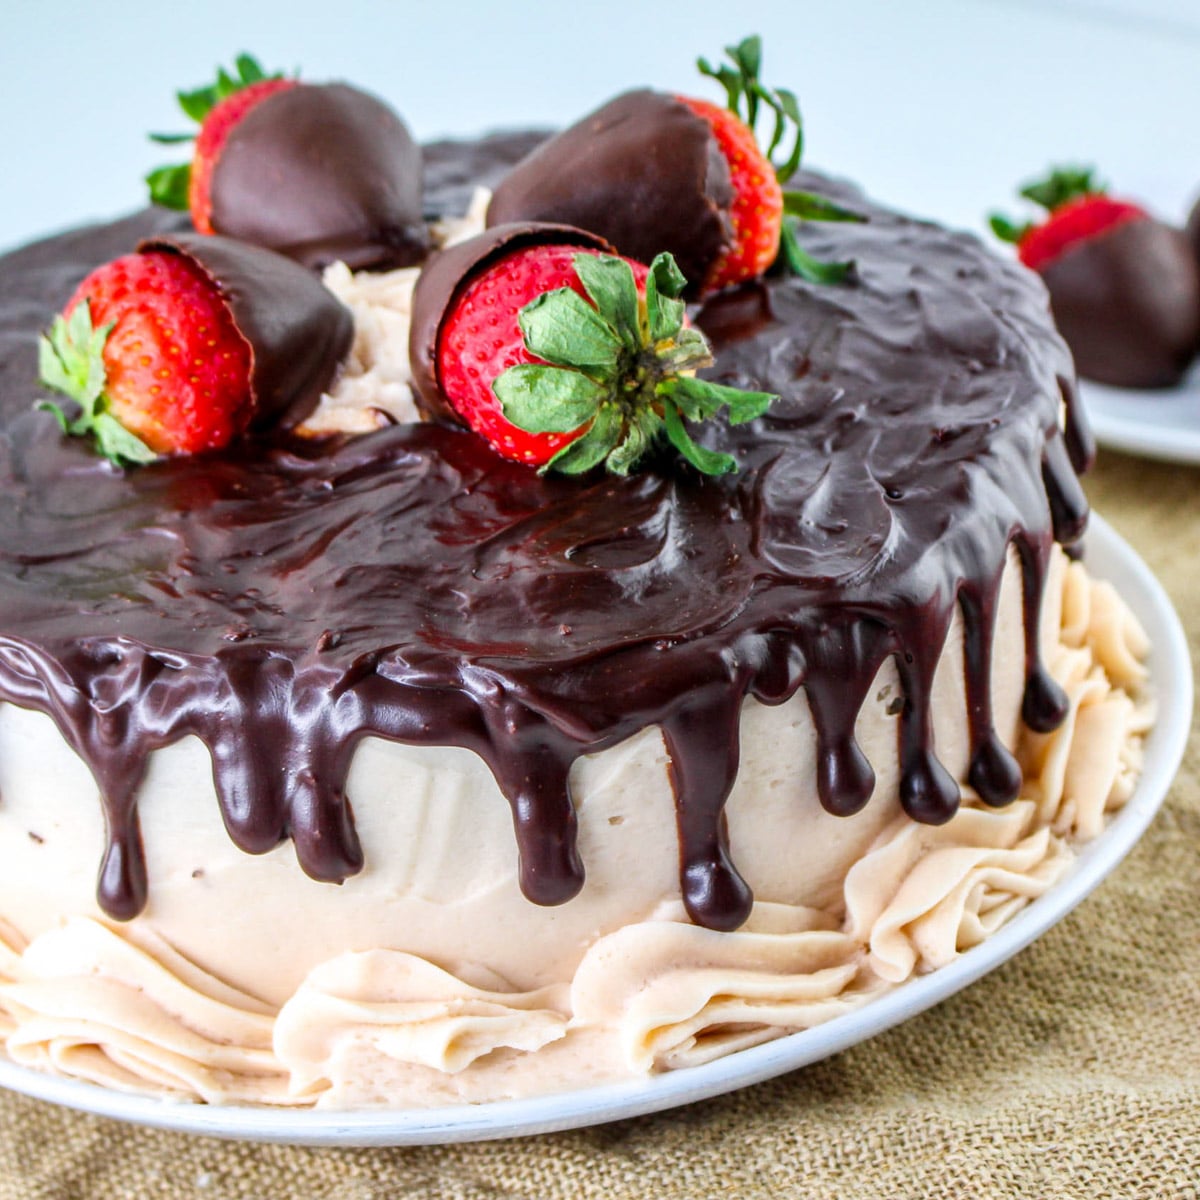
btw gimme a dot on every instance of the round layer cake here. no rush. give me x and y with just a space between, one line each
376 769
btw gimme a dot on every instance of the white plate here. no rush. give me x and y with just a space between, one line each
1109 558
1157 424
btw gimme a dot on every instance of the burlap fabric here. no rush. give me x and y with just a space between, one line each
1073 1071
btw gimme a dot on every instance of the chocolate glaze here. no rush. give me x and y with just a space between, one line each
1128 303
323 172
447 274
642 171
297 330
287 598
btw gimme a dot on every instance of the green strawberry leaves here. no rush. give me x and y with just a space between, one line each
1063 184
621 368
747 96
1008 230
808 206
71 361
543 399
199 102
564 329
1056 189
664 309
169 185
797 261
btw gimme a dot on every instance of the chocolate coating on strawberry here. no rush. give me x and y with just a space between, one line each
322 173
1128 304
442 280
298 331
642 171
1192 229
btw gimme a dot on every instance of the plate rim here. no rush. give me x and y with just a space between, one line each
1110 557
1165 443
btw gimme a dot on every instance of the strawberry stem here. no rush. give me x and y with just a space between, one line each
1063 184
620 368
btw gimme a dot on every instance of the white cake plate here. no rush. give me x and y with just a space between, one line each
1109 558
1155 424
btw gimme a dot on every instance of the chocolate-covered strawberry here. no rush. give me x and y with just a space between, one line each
318 172
189 342
656 173
1192 230
563 355
1124 287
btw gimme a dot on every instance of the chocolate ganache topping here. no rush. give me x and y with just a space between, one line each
287 598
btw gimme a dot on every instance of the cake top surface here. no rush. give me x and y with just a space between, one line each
287 597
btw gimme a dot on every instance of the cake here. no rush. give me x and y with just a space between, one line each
366 769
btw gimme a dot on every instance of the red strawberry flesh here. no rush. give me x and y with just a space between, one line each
209 141
1076 221
481 338
756 213
178 370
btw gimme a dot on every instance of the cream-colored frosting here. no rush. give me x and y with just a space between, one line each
374 386
428 979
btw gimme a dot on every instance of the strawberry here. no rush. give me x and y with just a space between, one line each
218 108
148 349
188 343
756 212
1079 209
1124 287
214 131
316 171
563 356
640 172
761 235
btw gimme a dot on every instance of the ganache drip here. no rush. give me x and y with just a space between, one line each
286 599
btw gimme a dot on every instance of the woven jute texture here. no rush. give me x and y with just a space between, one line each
1072 1071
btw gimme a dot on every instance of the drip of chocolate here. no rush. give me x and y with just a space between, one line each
284 599
1128 304
643 171
297 330
322 173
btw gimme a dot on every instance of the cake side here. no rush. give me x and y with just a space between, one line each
428 978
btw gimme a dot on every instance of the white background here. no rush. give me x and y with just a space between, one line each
939 106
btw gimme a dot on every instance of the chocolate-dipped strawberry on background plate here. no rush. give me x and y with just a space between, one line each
652 172
319 172
1192 229
564 355
188 343
1124 287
